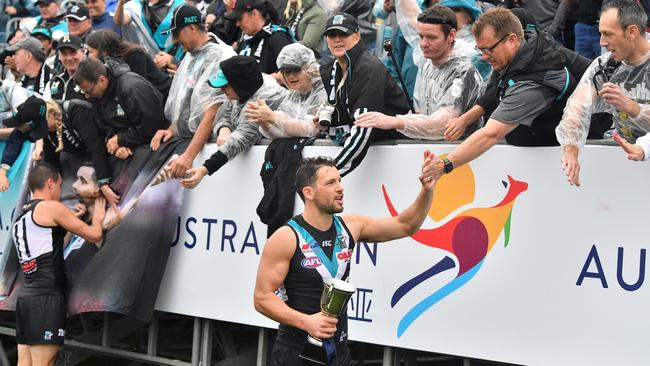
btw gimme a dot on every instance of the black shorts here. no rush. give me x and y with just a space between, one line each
40 319
287 355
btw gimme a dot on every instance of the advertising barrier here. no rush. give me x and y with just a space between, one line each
513 264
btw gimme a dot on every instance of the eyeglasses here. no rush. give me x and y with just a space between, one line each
488 51
89 90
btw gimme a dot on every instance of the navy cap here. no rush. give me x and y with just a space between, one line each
183 16
32 112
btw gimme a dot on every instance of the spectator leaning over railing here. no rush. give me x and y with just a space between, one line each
356 82
105 42
617 82
448 84
241 80
128 108
262 37
530 86
63 86
29 60
294 117
192 104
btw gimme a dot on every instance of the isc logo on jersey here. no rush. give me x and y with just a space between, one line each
311 262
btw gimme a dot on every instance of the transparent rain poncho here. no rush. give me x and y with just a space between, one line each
190 95
294 115
635 82
441 92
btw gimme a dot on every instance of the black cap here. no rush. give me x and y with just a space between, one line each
183 15
344 22
78 12
44 2
242 6
70 41
242 73
32 45
32 112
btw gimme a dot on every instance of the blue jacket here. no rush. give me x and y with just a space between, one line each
105 21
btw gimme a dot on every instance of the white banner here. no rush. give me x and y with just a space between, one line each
528 271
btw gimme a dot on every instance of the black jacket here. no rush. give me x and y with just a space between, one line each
80 136
265 46
131 107
369 87
63 87
547 63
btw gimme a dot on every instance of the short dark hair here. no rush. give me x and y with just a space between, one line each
40 173
89 70
439 14
629 13
306 173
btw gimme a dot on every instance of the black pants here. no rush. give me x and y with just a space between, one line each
286 355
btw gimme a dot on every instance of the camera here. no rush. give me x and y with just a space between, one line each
325 112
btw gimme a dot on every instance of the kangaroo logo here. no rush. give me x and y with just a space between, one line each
468 237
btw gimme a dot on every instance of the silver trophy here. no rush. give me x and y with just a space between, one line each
333 302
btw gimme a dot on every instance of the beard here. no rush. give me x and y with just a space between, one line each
328 207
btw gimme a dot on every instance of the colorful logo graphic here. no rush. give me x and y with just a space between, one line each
468 237
311 262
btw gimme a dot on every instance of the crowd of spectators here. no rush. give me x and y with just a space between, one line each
234 72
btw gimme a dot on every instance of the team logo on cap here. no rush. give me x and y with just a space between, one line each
74 9
192 19
338 19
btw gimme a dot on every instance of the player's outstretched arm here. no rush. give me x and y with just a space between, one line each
404 224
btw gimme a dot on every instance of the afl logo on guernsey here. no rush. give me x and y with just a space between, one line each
311 262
